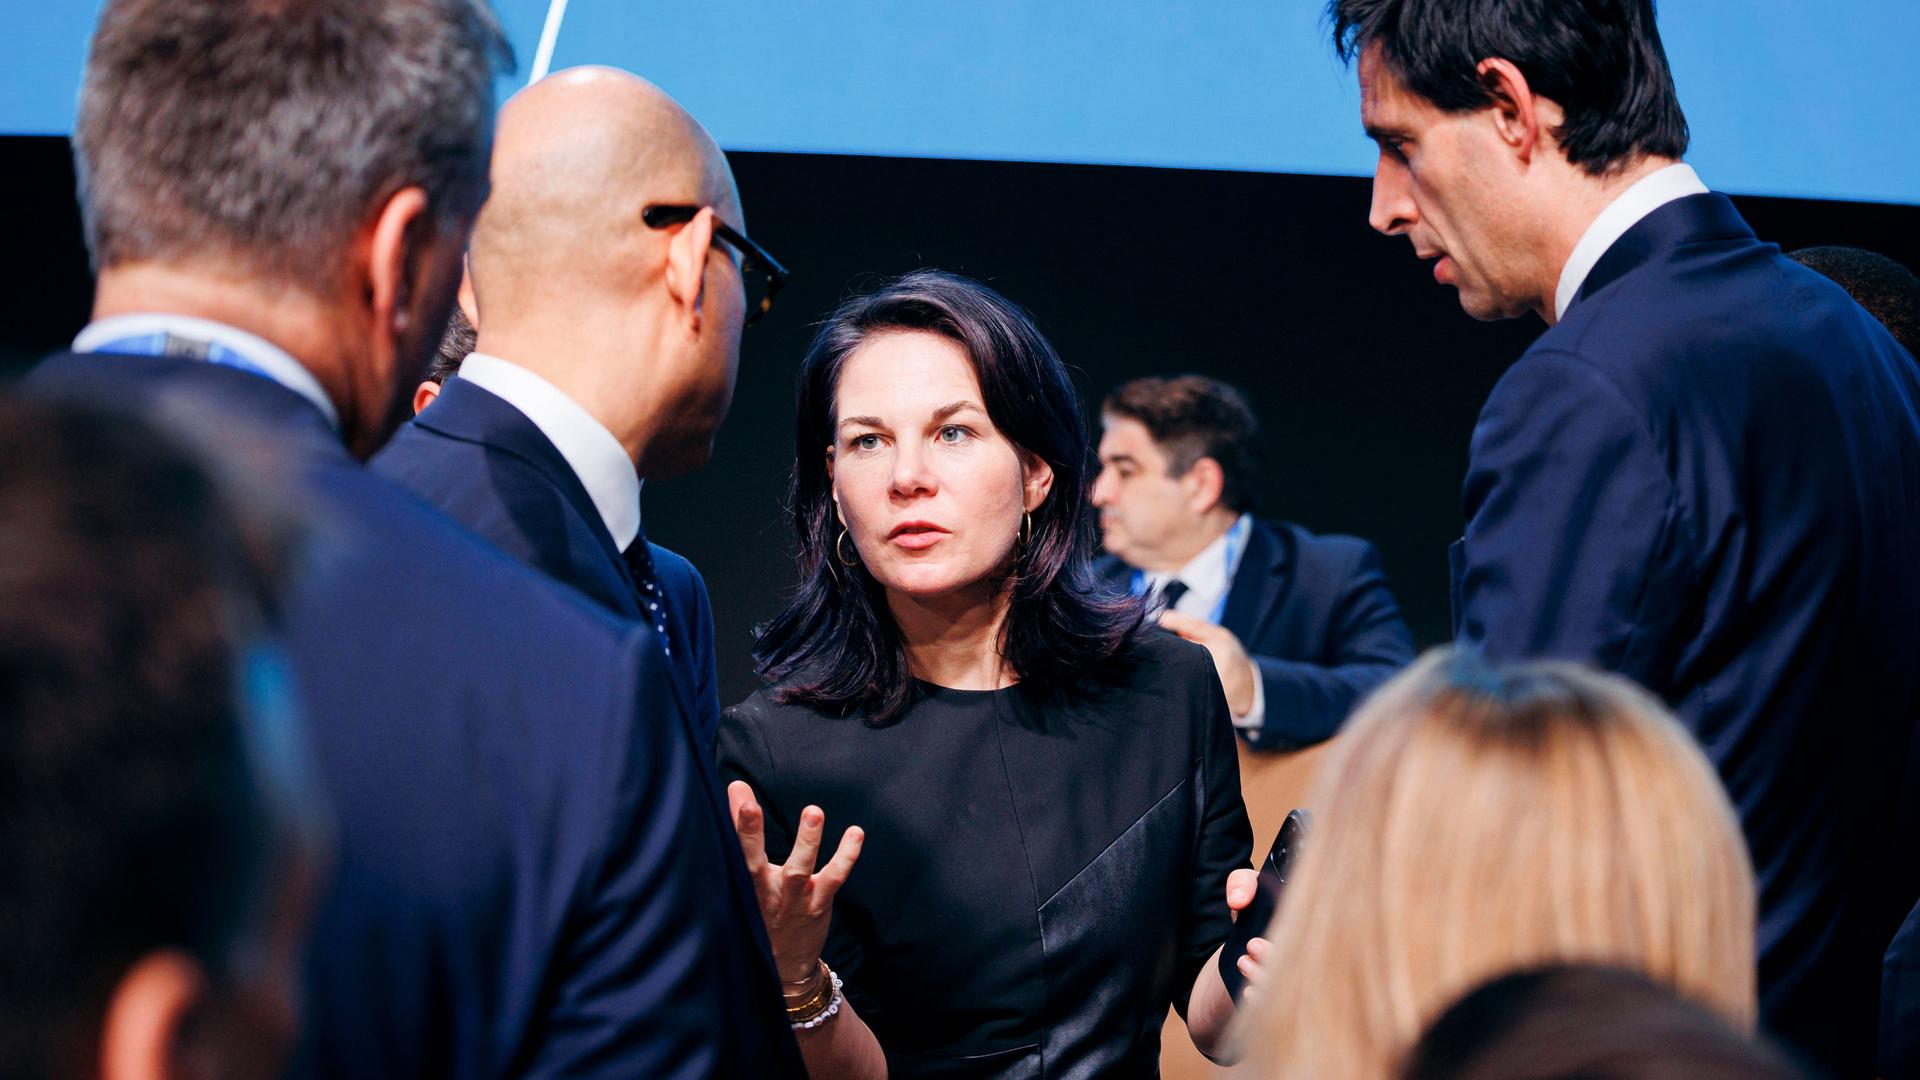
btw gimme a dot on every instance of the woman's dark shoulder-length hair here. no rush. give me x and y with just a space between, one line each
835 647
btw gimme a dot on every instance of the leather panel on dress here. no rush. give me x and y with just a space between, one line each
1108 910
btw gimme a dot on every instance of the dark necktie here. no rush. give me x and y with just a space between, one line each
1170 594
653 603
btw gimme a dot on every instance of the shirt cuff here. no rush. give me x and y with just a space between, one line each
1257 714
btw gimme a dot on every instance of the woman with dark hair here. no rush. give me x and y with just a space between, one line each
1045 792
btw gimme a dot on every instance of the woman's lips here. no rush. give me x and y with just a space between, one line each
917 535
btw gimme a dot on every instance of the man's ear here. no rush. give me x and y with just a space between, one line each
686 273
1036 480
391 259
1204 482
424 394
1516 111
141 1034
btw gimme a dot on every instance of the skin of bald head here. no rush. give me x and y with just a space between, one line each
640 326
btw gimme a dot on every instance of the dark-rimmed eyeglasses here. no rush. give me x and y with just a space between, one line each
760 273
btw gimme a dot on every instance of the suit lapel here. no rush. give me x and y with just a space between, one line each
467 412
1254 597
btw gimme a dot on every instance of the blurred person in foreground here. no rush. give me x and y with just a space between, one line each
610 292
1300 626
156 843
1476 818
1585 1022
1043 797
276 195
1704 475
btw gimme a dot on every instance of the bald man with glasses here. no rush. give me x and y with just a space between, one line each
611 278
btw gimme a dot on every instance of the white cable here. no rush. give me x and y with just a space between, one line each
550 33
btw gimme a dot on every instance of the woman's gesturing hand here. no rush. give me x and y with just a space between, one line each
796 902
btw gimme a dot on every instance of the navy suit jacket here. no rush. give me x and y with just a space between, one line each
520 846
1315 615
484 463
1707 477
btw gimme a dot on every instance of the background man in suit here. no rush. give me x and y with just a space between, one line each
157 865
1300 626
607 350
277 197
1705 474
608 342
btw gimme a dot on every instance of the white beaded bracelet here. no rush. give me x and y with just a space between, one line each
833 1006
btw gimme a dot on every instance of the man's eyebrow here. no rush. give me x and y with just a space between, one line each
1118 459
1379 133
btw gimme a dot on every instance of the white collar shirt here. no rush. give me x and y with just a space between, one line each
1208 577
1649 193
593 453
261 355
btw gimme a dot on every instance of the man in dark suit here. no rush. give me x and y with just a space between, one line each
1704 475
600 360
524 851
1300 626
606 352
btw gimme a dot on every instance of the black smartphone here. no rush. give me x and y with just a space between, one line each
1258 915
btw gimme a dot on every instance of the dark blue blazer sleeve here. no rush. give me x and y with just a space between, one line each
1307 701
1572 547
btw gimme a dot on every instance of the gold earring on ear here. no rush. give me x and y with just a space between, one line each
1026 529
840 552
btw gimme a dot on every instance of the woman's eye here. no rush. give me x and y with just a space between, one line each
866 442
952 434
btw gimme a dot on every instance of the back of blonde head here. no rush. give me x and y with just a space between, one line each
1475 819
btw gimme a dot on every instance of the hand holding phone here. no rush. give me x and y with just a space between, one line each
1257 916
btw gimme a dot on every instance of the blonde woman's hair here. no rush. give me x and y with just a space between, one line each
1474 819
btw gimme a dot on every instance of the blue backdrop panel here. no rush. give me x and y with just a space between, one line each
1785 96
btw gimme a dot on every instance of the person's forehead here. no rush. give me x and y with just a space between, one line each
910 372
1384 99
1126 437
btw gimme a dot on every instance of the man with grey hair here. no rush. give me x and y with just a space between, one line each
277 194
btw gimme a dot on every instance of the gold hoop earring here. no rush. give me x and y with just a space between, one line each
840 552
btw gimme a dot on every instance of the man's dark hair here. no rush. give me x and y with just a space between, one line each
132 819
1192 417
1584 1022
1889 291
1600 60
264 131
455 344
835 646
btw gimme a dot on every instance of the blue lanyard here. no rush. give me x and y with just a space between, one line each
1236 540
162 343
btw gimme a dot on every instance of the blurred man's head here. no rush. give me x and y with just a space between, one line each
152 894
305 169
1504 128
1177 467
455 344
1889 291
609 259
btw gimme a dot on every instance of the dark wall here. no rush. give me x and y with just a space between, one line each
1366 375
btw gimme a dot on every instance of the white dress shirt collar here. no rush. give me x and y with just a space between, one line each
270 359
1209 574
1649 193
595 456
